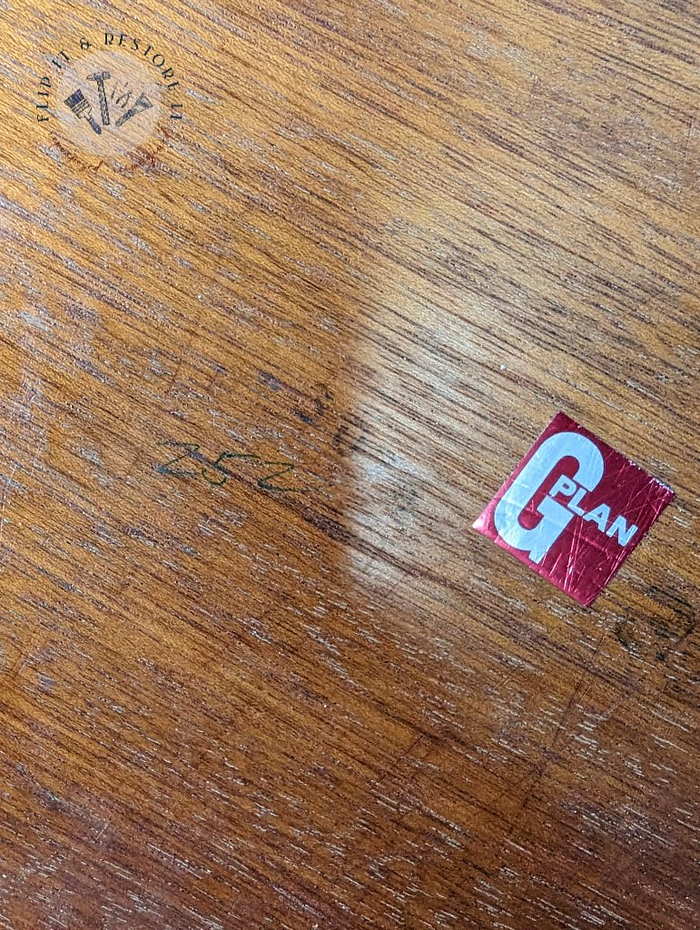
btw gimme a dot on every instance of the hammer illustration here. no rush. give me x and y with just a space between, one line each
100 78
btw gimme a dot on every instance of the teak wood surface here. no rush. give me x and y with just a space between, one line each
280 683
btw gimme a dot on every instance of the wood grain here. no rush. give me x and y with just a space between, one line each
388 241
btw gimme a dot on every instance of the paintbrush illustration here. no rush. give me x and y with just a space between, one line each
80 106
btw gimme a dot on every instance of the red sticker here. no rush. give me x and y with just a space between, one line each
574 509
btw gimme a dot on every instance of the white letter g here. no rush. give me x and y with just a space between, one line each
538 541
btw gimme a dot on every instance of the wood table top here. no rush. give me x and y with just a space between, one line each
287 289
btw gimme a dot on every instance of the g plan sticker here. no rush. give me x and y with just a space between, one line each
574 509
